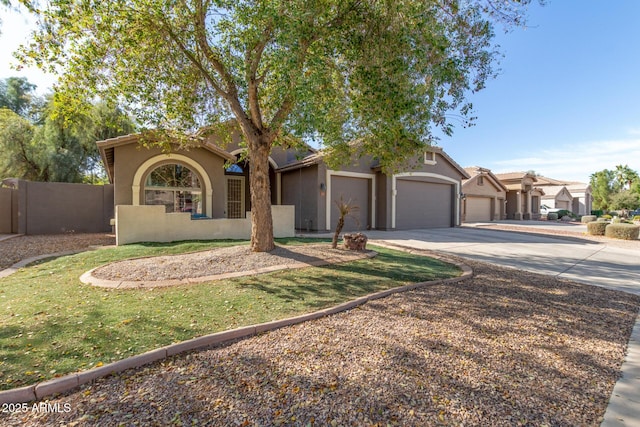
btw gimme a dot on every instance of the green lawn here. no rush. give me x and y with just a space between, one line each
52 324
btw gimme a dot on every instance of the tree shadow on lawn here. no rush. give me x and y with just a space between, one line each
323 285
416 358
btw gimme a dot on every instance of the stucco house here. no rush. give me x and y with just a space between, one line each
203 191
523 195
582 200
484 196
425 195
557 197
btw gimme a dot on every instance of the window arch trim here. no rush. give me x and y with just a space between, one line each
150 164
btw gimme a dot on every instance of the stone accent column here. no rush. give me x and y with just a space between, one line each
518 214
527 214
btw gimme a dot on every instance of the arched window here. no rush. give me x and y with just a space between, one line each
176 187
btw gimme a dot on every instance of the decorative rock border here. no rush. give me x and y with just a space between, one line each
71 381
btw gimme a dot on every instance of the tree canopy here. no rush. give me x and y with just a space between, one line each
616 189
47 143
357 77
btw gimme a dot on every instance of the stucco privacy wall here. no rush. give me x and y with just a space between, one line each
6 213
147 223
58 207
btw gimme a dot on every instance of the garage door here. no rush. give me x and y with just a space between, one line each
357 190
477 209
561 204
423 204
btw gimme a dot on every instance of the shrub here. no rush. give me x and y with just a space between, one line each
552 216
597 212
565 212
588 218
606 216
622 231
597 228
636 218
616 220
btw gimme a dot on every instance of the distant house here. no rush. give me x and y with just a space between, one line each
203 191
524 196
484 196
557 197
582 200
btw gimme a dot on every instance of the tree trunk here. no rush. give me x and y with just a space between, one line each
260 187
334 243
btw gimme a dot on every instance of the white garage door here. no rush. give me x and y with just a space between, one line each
423 204
477 209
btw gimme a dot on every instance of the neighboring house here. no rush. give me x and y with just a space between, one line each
582 200
484 196
523 198
557 197
152 186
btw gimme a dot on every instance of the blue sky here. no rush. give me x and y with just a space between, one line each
566 104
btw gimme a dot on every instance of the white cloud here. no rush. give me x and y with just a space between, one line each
576 162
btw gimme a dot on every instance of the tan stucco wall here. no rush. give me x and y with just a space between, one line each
471 188
6 213
152 224
129 158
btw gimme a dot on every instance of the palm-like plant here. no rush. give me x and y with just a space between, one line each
344 209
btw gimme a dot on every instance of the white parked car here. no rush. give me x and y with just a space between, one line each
544 209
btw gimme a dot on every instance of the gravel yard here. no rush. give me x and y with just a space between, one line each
22 247
502 348
220 261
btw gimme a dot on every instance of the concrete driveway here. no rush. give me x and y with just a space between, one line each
564 257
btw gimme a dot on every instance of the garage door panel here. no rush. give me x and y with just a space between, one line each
477 209
422 204
355 190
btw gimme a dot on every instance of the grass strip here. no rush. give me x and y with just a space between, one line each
51 324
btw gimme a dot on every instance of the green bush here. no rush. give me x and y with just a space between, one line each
552 216
636 218
599 212
616 220
622 231
597 228
606 216
588 218
565 212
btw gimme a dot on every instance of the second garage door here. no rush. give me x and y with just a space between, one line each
477 209
422 204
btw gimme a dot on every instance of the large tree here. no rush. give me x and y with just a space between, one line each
61 146
602 188
382 74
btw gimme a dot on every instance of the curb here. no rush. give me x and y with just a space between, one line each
71 381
